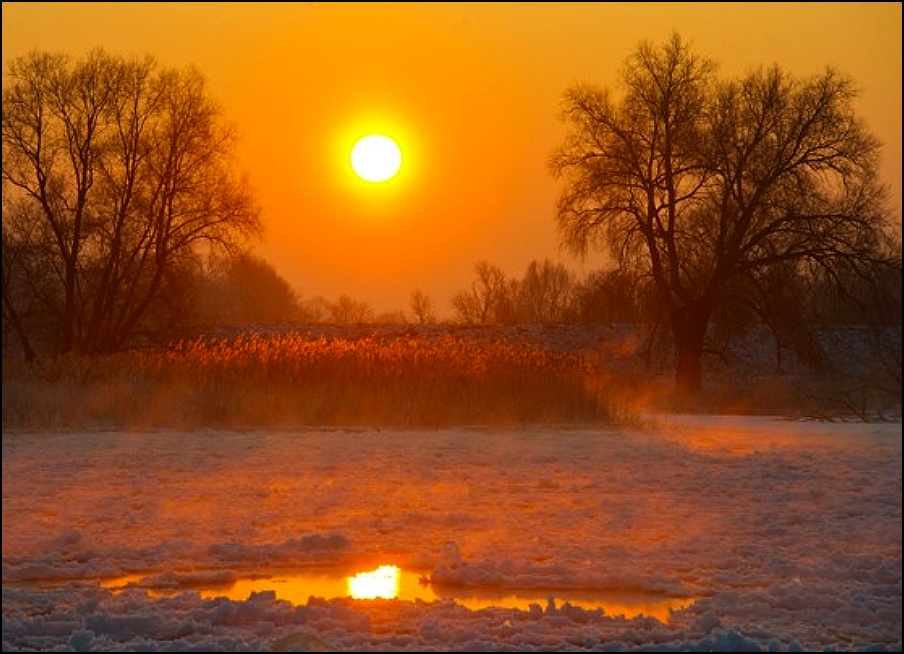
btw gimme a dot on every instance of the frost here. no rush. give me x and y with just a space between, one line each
786 535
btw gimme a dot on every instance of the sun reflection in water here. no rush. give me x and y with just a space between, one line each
381 583
392 582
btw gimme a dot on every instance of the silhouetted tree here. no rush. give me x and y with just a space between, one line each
706 186
612 296
348 311
22 309
391 317
422 308
117 174
845 297
246 289
313 310
487 301
544 293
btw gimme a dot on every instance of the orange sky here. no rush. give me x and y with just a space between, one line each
471 93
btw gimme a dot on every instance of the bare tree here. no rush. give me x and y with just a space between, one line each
706 186
486 301
422 307
612 296
348 311
545 292
116 174
313 310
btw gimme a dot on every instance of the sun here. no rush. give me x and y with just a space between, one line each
376 158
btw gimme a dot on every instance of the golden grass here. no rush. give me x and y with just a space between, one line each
292 380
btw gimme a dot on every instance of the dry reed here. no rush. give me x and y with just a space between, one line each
292 380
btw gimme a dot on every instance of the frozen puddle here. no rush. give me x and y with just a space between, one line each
392 582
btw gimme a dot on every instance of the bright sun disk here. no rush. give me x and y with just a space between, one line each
376 158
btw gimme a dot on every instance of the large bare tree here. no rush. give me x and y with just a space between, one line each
117 176
708 186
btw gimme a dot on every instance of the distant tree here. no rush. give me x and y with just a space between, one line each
612 296
422 308
706 186
487 301
846 297
544 293
117 175
246 289
313 310
391 317
348 311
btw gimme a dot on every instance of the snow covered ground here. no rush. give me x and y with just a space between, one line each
759 533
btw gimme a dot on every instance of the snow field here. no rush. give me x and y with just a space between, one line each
788 534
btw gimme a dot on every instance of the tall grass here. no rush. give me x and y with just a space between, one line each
292 379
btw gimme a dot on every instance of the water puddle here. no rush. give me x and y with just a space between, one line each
392 582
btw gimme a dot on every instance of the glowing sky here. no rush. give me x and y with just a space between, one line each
470 91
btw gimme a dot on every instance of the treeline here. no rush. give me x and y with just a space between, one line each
791 301
248 290
245 289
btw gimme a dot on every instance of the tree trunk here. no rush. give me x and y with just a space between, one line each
689 330
21 332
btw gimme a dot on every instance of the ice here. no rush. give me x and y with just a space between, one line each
787 534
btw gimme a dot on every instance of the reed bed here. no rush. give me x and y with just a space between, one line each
293 379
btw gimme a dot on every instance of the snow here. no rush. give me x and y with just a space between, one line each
767 534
